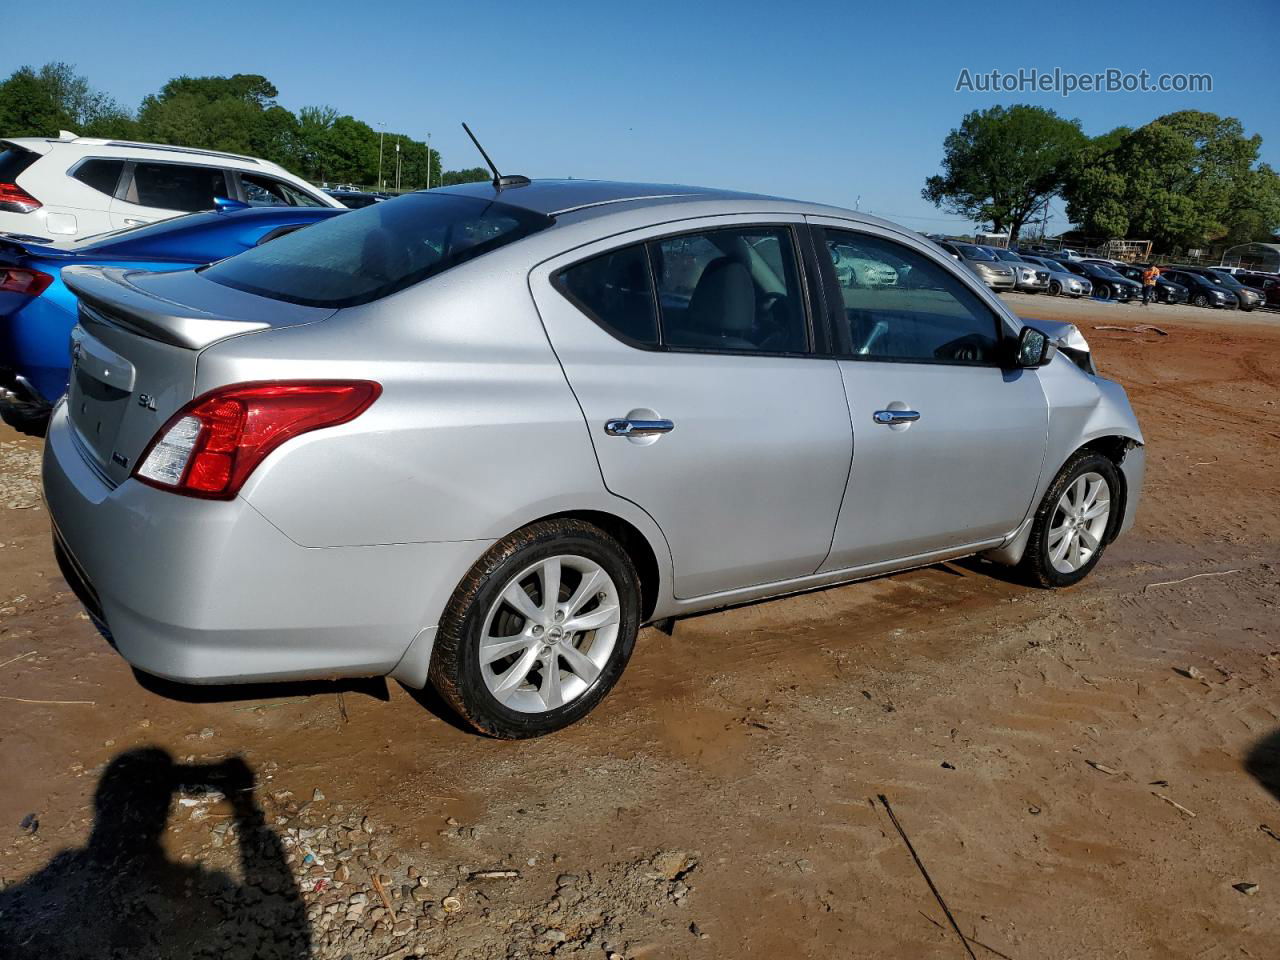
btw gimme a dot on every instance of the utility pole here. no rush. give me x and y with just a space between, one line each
397 165
381 133
428 159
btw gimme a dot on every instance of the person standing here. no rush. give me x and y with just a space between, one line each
1149 278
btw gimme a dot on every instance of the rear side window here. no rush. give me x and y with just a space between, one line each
101 175
615 289
900 305
372 253
735 289
13 161
173 186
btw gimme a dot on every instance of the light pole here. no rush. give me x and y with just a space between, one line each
397 165
381 133
428 159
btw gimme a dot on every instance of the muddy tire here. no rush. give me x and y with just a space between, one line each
32 424
1074 522
538 631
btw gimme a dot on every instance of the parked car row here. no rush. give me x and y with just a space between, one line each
477 436
1035 268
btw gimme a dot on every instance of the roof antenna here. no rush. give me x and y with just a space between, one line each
499 181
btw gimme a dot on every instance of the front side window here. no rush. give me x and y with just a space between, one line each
372 253
172 186
735 289
268 192
897 304
102 175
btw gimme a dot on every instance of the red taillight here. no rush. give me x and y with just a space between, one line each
13 199
210 446
23 280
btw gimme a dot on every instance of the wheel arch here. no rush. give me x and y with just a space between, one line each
634 542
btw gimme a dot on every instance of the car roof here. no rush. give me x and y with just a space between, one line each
135 149
558 197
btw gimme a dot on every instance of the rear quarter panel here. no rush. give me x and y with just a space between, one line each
476 432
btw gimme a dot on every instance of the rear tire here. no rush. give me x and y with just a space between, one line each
32 424
507 658
1070 530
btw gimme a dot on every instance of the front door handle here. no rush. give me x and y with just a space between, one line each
891 417
622 427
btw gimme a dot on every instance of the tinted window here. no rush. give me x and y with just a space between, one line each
13 161
371 253
900 305
268 192
732 289
615 289
102 175
175 187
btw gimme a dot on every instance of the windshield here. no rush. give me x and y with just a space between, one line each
1007 255
376 251
1107 272
1227 280
970 252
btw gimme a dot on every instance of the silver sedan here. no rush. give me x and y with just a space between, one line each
478 436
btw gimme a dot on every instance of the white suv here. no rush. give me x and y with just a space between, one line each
79 186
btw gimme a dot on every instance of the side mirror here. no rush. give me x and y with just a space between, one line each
224 205
1034 349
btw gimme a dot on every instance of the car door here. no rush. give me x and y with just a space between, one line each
159 190
690 354
948 445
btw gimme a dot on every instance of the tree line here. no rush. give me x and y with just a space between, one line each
236 114
1186 180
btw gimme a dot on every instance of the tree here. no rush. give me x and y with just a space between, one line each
1183 181
238 114
1002 164
469 175
40 103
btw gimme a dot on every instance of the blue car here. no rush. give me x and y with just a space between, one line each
37 311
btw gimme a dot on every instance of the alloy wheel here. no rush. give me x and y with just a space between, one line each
1079 522
549 634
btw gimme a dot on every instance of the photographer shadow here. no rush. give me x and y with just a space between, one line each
1263 763
121 896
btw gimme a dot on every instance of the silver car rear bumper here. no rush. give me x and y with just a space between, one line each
206 591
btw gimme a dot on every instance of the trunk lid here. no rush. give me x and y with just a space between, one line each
135 348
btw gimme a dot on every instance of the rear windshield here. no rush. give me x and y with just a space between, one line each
13 161
371 253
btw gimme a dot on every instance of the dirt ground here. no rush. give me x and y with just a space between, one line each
1088 773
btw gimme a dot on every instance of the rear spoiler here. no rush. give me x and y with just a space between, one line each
108 292
15 246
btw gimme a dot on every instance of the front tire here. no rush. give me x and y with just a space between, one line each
1200 300
1074 522
539 630
1055 288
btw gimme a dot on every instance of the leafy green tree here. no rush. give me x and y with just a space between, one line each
1003 163
39 103
238 114
469 175
1185 180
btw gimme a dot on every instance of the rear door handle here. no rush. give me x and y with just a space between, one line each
622 427
891 417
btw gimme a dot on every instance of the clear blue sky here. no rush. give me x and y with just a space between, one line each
822 101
